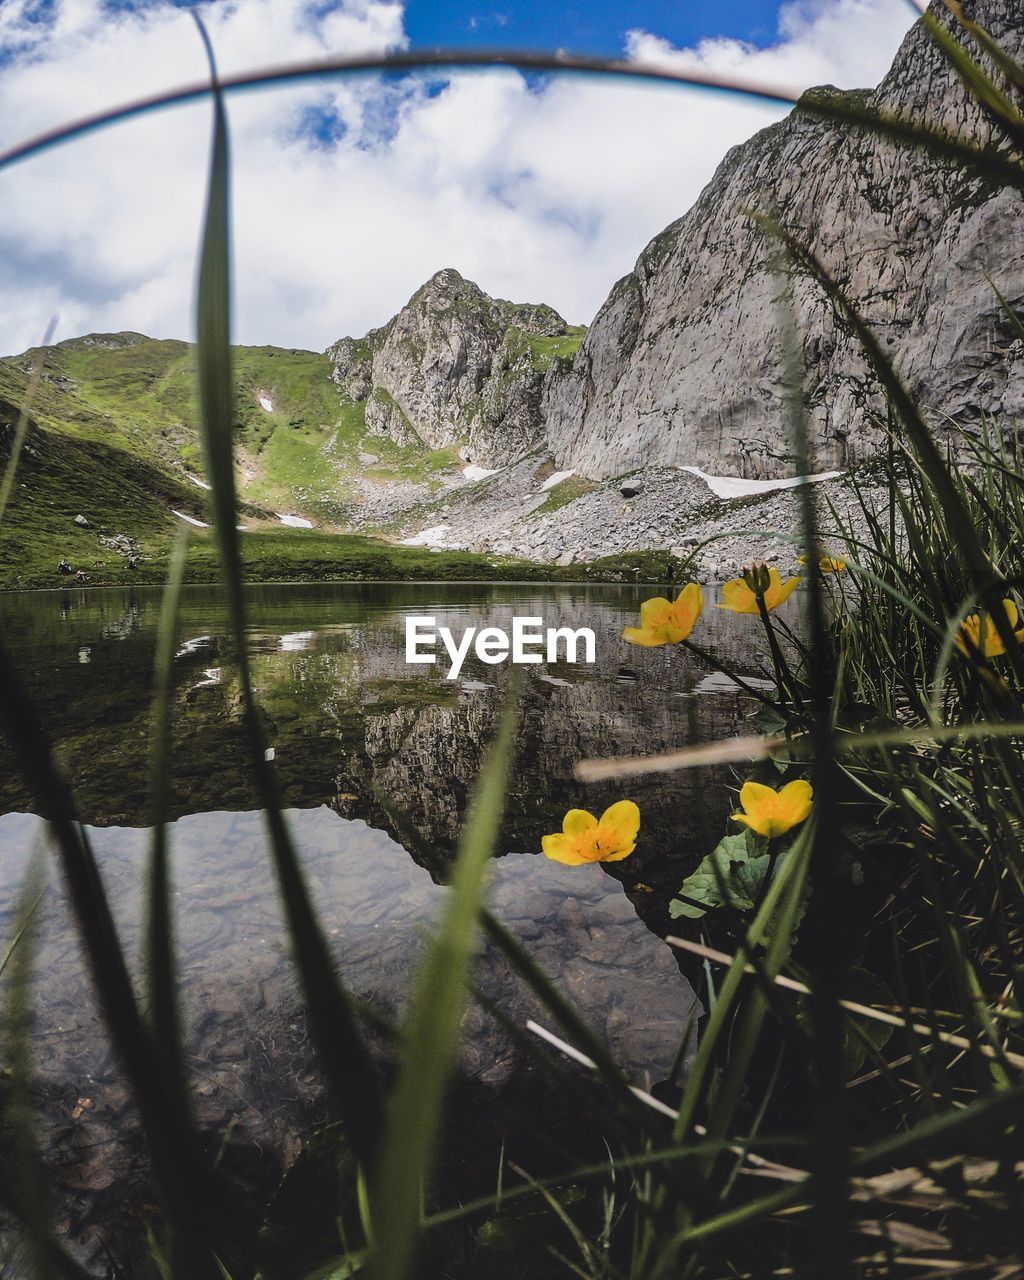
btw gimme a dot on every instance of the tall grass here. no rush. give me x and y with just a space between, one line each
855 1099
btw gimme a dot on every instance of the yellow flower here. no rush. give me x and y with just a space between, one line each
827 564
666 622
969 640
772 813
739 597
584 838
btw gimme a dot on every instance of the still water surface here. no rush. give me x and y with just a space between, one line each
377 760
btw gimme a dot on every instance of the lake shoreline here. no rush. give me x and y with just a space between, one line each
300 555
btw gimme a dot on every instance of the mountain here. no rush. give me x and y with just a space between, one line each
682 363
401 431
136 394
454 377
347 439
457 367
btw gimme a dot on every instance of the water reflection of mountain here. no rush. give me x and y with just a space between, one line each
353 726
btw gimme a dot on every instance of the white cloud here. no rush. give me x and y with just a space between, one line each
848 43
536 193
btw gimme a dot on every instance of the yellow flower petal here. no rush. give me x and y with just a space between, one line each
772 813
969 637
786 590
617 857
585 839
576 821
667 622
794 803
778 591
621 822
692 597
654 613
562 848
644 637
827 564
737 597
755 795
688 606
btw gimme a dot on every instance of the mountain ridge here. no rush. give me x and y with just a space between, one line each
682 364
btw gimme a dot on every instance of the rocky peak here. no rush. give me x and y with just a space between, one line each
105 341
456 366
682 364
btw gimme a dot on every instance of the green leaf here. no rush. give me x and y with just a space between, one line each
748 877
704 885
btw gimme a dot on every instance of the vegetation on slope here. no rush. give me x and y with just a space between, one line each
60 477
544 351
131 401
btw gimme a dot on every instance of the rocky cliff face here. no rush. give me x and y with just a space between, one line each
682 364
456 366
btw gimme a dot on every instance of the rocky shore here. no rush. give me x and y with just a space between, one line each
529 511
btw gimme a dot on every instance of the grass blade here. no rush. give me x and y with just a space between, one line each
431 1031
342 1052
829 1137
165 1121
903 404
164 1013
981 86
32 1191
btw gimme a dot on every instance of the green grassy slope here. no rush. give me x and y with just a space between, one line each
137 394
115 436
61 476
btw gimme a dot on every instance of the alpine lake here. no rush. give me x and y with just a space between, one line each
377 760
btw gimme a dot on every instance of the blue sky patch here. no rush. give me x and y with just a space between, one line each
597 27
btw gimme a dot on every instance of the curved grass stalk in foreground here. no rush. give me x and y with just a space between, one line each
176 1165
342 1051
989 161
164 1012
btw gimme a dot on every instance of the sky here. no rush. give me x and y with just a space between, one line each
349 193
